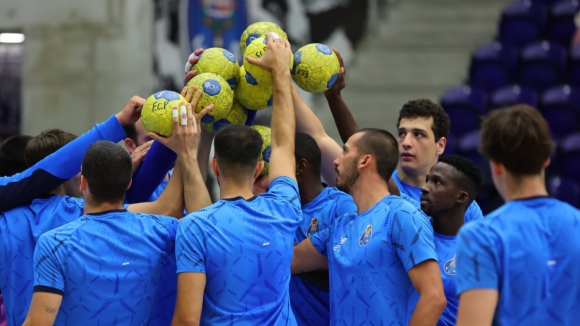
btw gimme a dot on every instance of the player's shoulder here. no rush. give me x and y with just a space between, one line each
282 183
401 205
65 231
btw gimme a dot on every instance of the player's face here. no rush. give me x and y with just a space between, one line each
440 192
418 151
346 165
142 136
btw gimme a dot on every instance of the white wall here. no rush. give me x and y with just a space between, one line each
83 59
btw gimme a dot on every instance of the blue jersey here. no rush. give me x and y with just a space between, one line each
527 250
20 229
245 248
369 255
107 266
446 254
310 303
38 180
473 211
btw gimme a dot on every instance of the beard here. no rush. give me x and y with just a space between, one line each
348 178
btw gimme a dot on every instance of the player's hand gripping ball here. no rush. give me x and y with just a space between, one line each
257 30
237 116
219 61
252 95
216 91
316 68
156 113
255 50
266 134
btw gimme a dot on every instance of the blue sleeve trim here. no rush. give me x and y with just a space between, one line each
158 161
56 168
48 289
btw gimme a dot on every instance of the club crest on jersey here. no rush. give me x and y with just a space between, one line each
313 227
449 267
366 237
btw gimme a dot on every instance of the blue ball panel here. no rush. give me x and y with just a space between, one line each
323 49
207 118
168 95
266 154
333 79
220 124
230 56
211 87
250 79
233 82
251 37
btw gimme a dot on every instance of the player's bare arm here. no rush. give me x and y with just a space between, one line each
43 309
477 307
306 258
426 279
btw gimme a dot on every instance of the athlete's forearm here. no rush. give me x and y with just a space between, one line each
343 118
427 311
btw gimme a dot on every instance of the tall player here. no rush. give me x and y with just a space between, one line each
519 266
379 255
234 256
452 184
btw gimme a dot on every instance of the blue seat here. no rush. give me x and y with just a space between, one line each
512 95
561 25
522 23
464 105
570 157
565 189
543 65
468 146
493 65
560 106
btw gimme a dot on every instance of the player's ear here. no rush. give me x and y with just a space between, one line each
130 183
214 167
83 184
130 145
497 168
301 166
365 160
259 169
547 163
441 145
463 197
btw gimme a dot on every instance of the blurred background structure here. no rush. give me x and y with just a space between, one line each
72 63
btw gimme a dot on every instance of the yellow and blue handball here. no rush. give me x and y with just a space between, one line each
251 94
256 50
237 116
156 113
266 134
216 91
257 30
316 68
221 62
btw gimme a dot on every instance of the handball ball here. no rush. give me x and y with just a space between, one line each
156 113
266 134
237 116
221 62
216 91
255 50
257 30
316 68
252 95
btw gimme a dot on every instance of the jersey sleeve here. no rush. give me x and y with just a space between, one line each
158 161
412 236
286 189
48 272
53 170
473 212
476 259
320 241
345 204
190 248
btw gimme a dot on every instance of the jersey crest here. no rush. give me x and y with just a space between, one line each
366 237
313 227
449 267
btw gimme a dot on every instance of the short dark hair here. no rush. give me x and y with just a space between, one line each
107 168
424 108
48 142
131 132
517 137
237 150
468 176
306 148
383 147
12 155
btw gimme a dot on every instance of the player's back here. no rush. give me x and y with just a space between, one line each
20 229
107 266
535 244
245 248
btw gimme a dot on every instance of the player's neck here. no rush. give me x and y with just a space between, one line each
60 190
368 191
449 223
309 189
233 189
524 187
91 207
412 179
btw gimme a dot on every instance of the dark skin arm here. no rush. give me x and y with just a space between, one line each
319 278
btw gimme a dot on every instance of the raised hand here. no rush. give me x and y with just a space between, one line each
139 153
276 56
193 58
340 83
131 112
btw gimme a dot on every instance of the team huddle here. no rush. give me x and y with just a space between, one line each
383 230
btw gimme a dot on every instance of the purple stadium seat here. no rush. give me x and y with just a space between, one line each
511 95
468 146
561 25
544 2
570 157
464 105
574 70
451 145
565 190
522 23
543 65
493 65
560 106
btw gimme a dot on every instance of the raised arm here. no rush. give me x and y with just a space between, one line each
276 59
343 118
307 122
65 163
